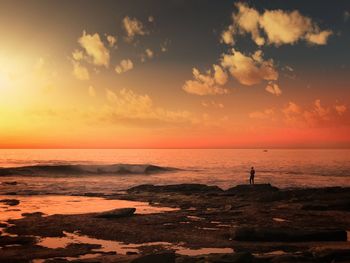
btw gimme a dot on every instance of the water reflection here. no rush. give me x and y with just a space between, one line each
50 205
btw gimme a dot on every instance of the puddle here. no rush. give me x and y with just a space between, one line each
106 245
120 247
50 205
277 219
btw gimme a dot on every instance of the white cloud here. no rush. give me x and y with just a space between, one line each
149 53
124 66
227 35
274 89
151 19
77 55
319 38
247 20
95 48
133 27
111 40
249 70
208 83
280 27
80 72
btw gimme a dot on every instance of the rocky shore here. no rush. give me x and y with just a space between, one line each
256 223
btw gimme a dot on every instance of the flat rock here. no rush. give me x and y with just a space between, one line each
287 235
117 213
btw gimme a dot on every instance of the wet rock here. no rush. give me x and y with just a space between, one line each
287 235
338 206
10 202
249 188
33 214
241 257
179 188
117 213
20 240
131 253
10 193
331 255
289 258
10 183
156 258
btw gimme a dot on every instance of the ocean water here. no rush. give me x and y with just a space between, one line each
223 167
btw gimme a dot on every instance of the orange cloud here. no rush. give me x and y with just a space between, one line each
274 89
133 27
249 70
124 66
80 72
95 48
280 27
208 83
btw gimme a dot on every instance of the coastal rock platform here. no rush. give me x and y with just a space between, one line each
254 223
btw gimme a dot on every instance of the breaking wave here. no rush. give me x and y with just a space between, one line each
80 169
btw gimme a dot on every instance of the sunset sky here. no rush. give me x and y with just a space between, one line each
174 74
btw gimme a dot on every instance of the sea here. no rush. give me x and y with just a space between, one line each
108 171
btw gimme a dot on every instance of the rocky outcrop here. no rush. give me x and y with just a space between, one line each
117 213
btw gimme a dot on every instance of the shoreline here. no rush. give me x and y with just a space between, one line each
254 221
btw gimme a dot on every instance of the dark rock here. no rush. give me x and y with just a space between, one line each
332 255
131 253
156 258
10 183
289 258
287 235
11 193
240 257
249 188
10 202
20 240
117 213
179 188
337 206
33 214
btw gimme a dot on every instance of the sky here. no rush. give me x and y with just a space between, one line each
174 74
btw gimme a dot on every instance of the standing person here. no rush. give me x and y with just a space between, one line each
252 174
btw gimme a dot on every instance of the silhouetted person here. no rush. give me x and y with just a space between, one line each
252 174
